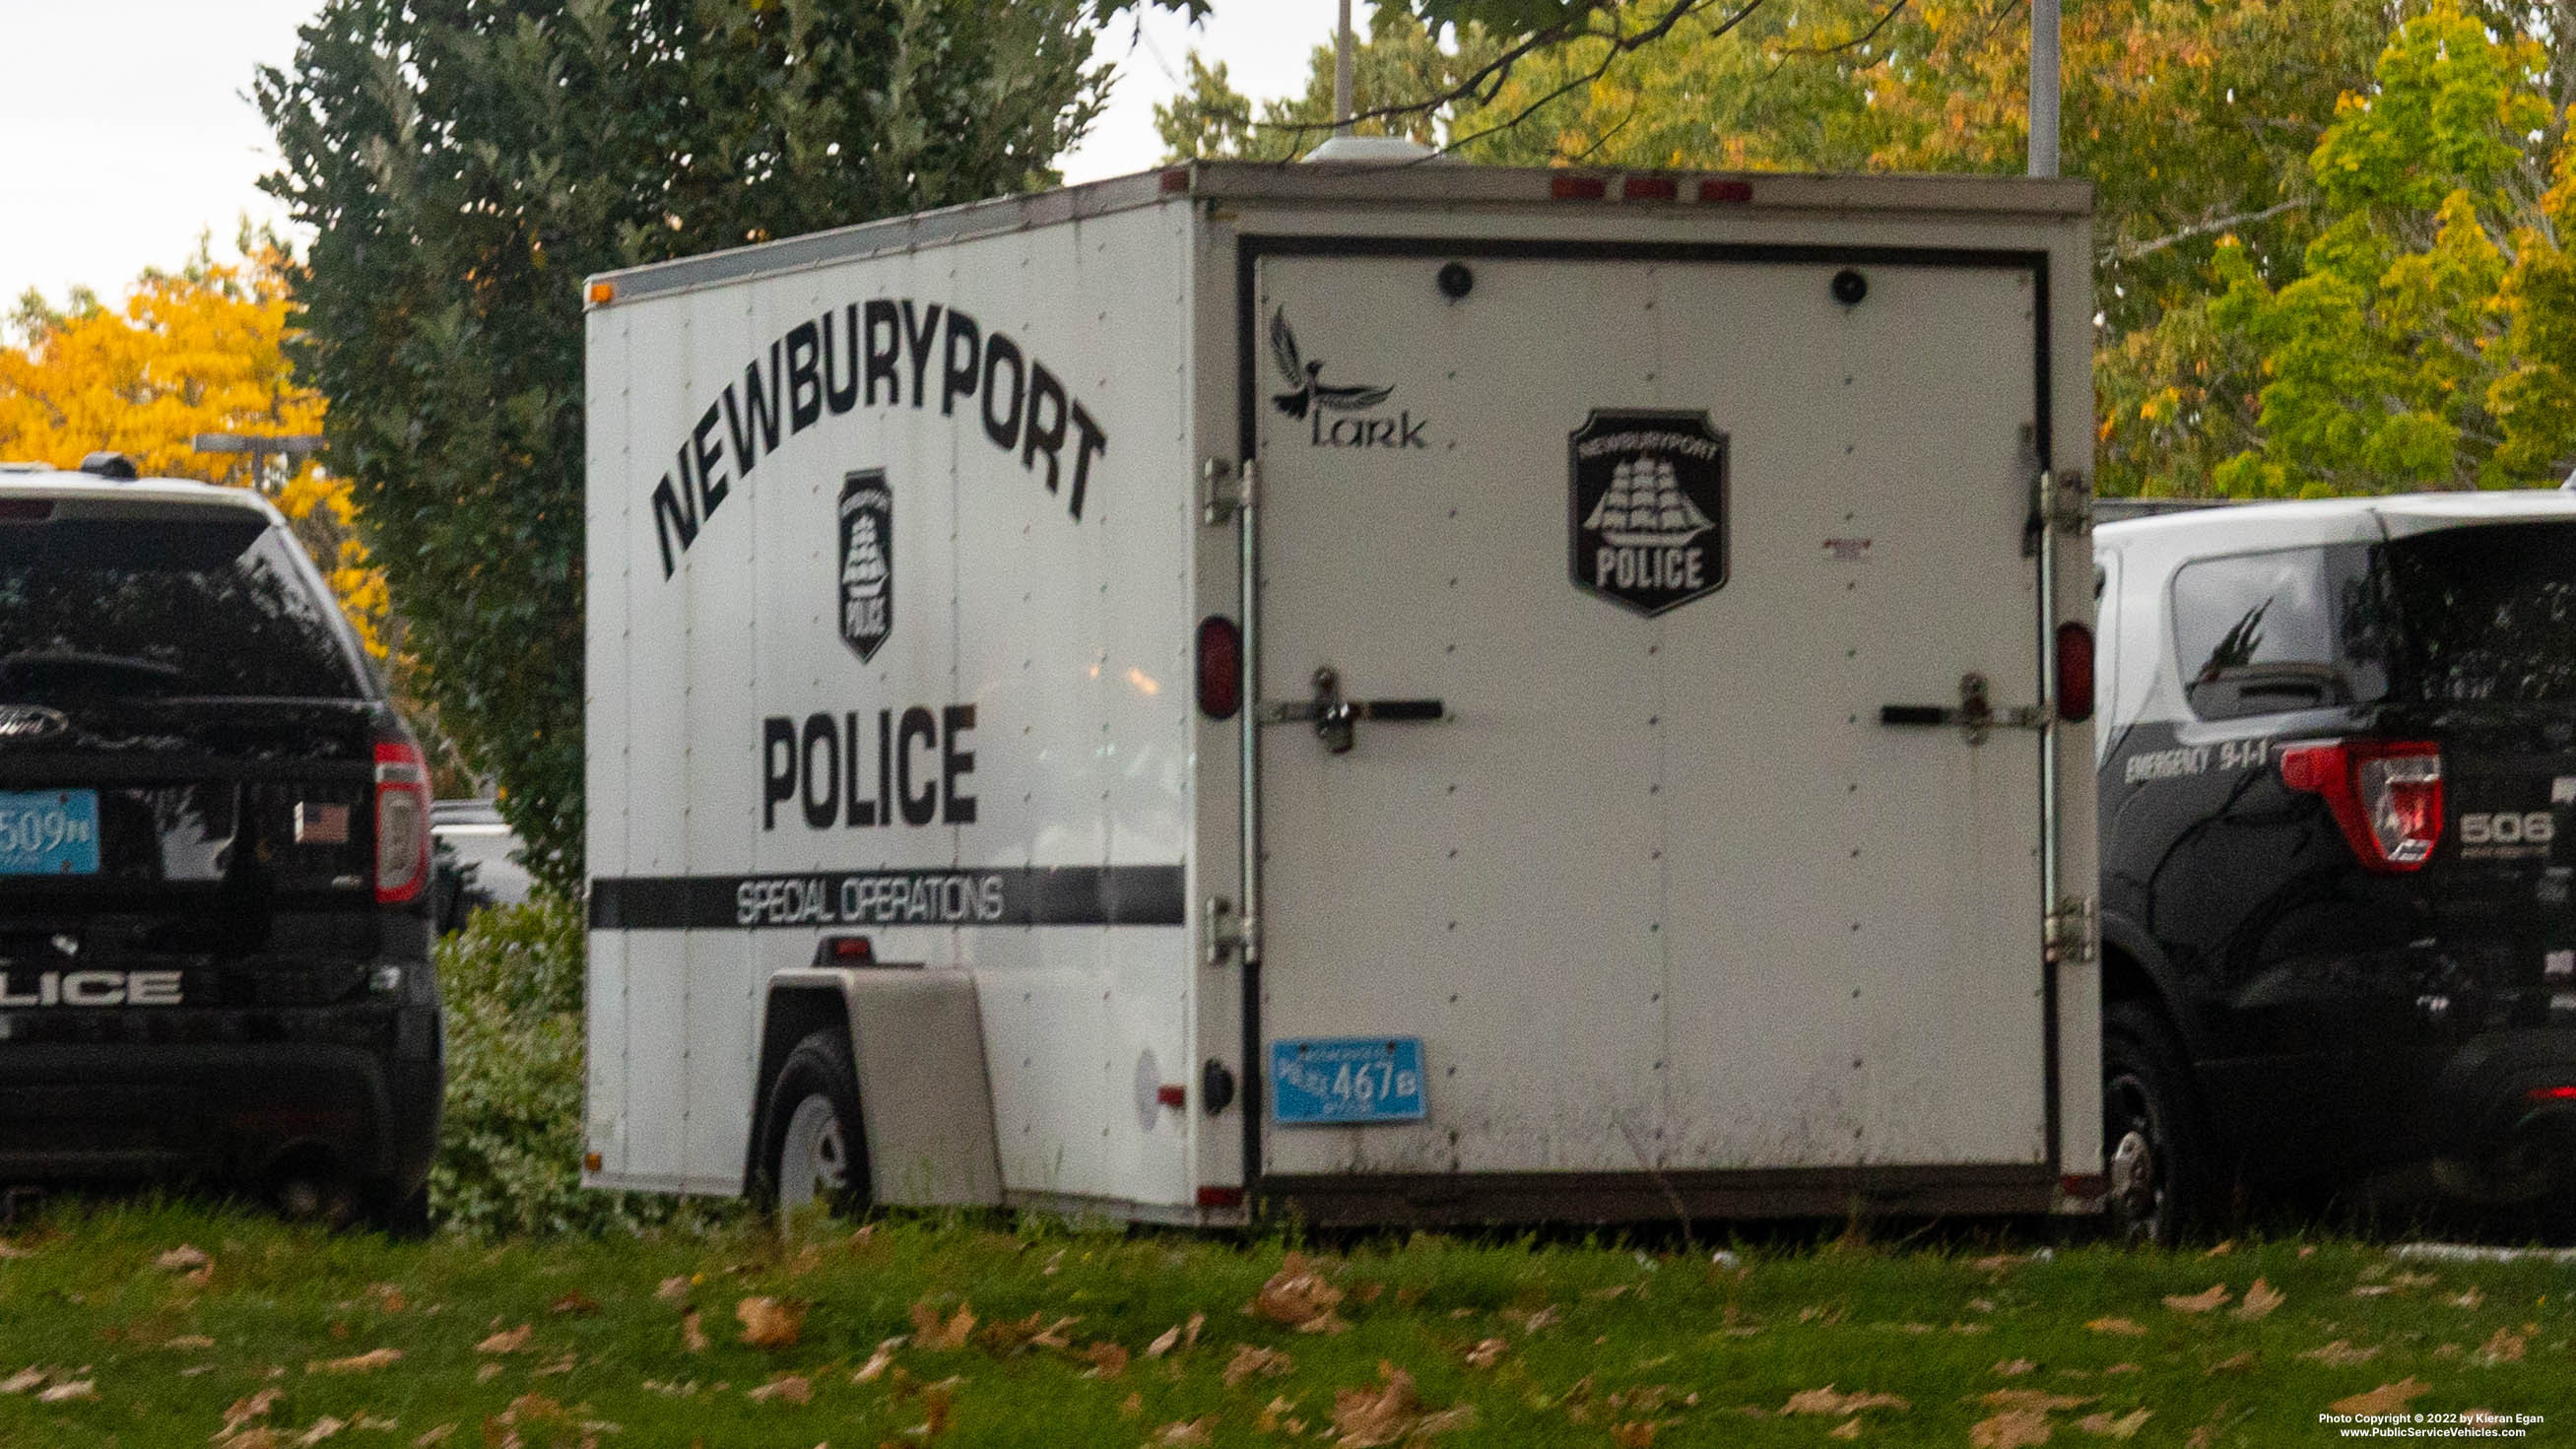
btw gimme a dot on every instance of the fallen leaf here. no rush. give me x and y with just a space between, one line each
2038 1401
1164 1342
552 1367
937 1401
1132 1405
789 1388
1192 1431
877 1362
2215 1296
574 1302
2120 1368
778 1322
322 1428
433 1437
487 1373
2371 1290
2260 1300
1487 1352
2126 1328
2014 1368
21 1381
1847 1429
389 1299
2225 1247
1827 1401
1190 1330
1108 1360
358 1363
2236 1363
2469 1299
64 1393
1634 1435
1054 1335
2506 1347
692 1337
509 1340
1999 1262
1365 1418
930 1331
2386 1399
2011 1429
1250 1359
1297 1295
2124 1427
243 1410
1531 1323
673 1289
2340 1354
190 1340
185 1258
12 1250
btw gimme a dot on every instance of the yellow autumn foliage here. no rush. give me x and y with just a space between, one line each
201 350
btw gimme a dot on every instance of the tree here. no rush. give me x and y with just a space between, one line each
2427 343
467 162
198 350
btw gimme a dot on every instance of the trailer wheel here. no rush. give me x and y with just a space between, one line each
812 1146
2155 1145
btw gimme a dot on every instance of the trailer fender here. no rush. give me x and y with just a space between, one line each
925 1098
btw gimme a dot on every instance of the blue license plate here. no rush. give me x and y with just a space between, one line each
48 832
1337 1080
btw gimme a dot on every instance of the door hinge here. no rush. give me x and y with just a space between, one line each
1223 935
1223 487
2073 933
2065 502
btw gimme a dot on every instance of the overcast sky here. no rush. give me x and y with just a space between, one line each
126 128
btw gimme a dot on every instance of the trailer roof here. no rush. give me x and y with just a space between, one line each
1428 183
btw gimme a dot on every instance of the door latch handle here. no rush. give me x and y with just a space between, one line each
1334 716
1974 714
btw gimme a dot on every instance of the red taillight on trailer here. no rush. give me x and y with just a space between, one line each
2552 1094
402 821
2074 672
2385 794
1220 667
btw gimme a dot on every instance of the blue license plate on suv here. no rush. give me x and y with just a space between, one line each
48 832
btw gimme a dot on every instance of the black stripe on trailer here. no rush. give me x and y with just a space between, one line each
1064 895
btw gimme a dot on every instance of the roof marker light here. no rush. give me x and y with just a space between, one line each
1566 186
1649 188
1716 189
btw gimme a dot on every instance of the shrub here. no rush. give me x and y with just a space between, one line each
509 1158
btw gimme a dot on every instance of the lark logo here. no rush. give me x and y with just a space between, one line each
29 722
867 561
1647 508
1337 415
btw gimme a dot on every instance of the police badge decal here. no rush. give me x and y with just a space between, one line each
1647 508
867 561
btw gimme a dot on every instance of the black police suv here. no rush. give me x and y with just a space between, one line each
2338 765
214 837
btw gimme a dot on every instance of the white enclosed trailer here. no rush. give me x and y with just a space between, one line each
1645 796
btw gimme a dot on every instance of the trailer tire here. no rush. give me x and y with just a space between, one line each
812 1143
2155 1138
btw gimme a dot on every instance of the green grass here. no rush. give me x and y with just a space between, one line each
1601 1340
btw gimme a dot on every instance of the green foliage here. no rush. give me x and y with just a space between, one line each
510 1147
467 162
2425 345
1399 66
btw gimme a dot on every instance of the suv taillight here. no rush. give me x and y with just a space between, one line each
2385 794
402 821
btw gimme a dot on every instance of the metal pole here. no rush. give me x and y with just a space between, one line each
1342 73
2043 87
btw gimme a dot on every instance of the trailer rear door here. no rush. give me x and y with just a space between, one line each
1658 897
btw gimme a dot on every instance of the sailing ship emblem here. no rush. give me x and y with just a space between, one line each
1648 508
867 561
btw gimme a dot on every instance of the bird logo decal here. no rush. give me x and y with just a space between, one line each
1306 379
